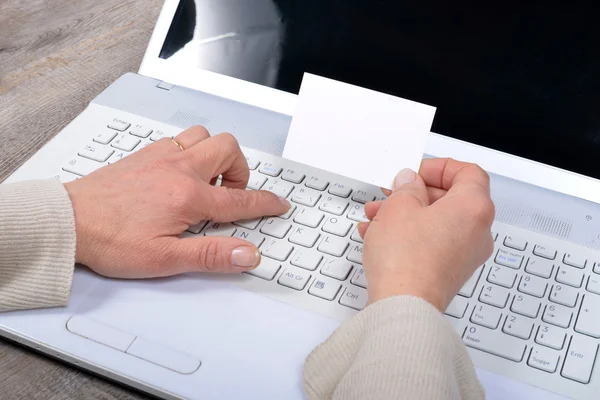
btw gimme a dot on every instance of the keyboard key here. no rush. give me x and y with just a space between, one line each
515 242
337 226
502 276
253 237
337 268
543 251
105 137
334 205
324 288
509 258
198 227
356 236
550 336
333 245
540 267
593 284
289 213
125 142
276 227
494 295
357 213
356 253
543 358
494 342
569 276
457 307
306 259
314 182
580 358
157 135
140 131
564 295
266 270
219 229
308 217
65 177
588 322
359 278
597 267
574 260
117 156
306 197
486 316
525 305
363 197
494 235
252 163
517 326
304 236
248 223
270 169
256 181
279 187
354 297
294 278
118 125
339 189
278 249
469 288
557 315
96 152
532 285
82 166
291 175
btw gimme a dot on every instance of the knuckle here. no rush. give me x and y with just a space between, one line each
483 210
208 256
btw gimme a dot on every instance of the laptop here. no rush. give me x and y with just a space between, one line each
516 92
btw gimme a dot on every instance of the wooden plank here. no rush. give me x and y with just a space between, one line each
55 57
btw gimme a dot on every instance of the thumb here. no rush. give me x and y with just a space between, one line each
409 182
214 254
235 204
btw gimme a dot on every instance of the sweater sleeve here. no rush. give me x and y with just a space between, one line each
37 245
397 348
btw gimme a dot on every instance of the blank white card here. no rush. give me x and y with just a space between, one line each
355 132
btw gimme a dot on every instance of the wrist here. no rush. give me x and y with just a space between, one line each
391 289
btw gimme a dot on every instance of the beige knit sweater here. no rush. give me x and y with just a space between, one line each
399 348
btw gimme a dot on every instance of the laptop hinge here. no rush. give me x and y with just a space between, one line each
165 85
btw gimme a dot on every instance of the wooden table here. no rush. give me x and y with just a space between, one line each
55 57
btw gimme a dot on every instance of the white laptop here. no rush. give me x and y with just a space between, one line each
530 316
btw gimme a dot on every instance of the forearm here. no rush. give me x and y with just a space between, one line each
398 348
37 245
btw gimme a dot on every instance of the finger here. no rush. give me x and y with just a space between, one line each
220 155
362 228
188 138
435 193
233 204
410 184
386 192
445 173
213 254
372 207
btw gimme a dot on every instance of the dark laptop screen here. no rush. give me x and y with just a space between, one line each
516 77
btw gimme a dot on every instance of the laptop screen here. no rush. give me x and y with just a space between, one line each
519 78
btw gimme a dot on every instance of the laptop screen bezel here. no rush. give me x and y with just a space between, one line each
508 165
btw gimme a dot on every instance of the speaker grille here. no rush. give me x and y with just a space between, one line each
185 119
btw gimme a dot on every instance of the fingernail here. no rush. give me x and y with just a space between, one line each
245 257
405 176
285 202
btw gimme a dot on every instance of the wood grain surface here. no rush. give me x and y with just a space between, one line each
55 57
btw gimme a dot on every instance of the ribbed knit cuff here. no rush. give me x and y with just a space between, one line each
37 245
397 348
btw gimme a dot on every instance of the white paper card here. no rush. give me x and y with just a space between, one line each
355 132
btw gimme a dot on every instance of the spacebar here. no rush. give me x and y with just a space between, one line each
494 342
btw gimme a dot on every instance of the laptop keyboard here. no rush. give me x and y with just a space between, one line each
533 307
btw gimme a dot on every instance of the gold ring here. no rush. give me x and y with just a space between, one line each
178 145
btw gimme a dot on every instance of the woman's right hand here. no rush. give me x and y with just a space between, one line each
429 236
